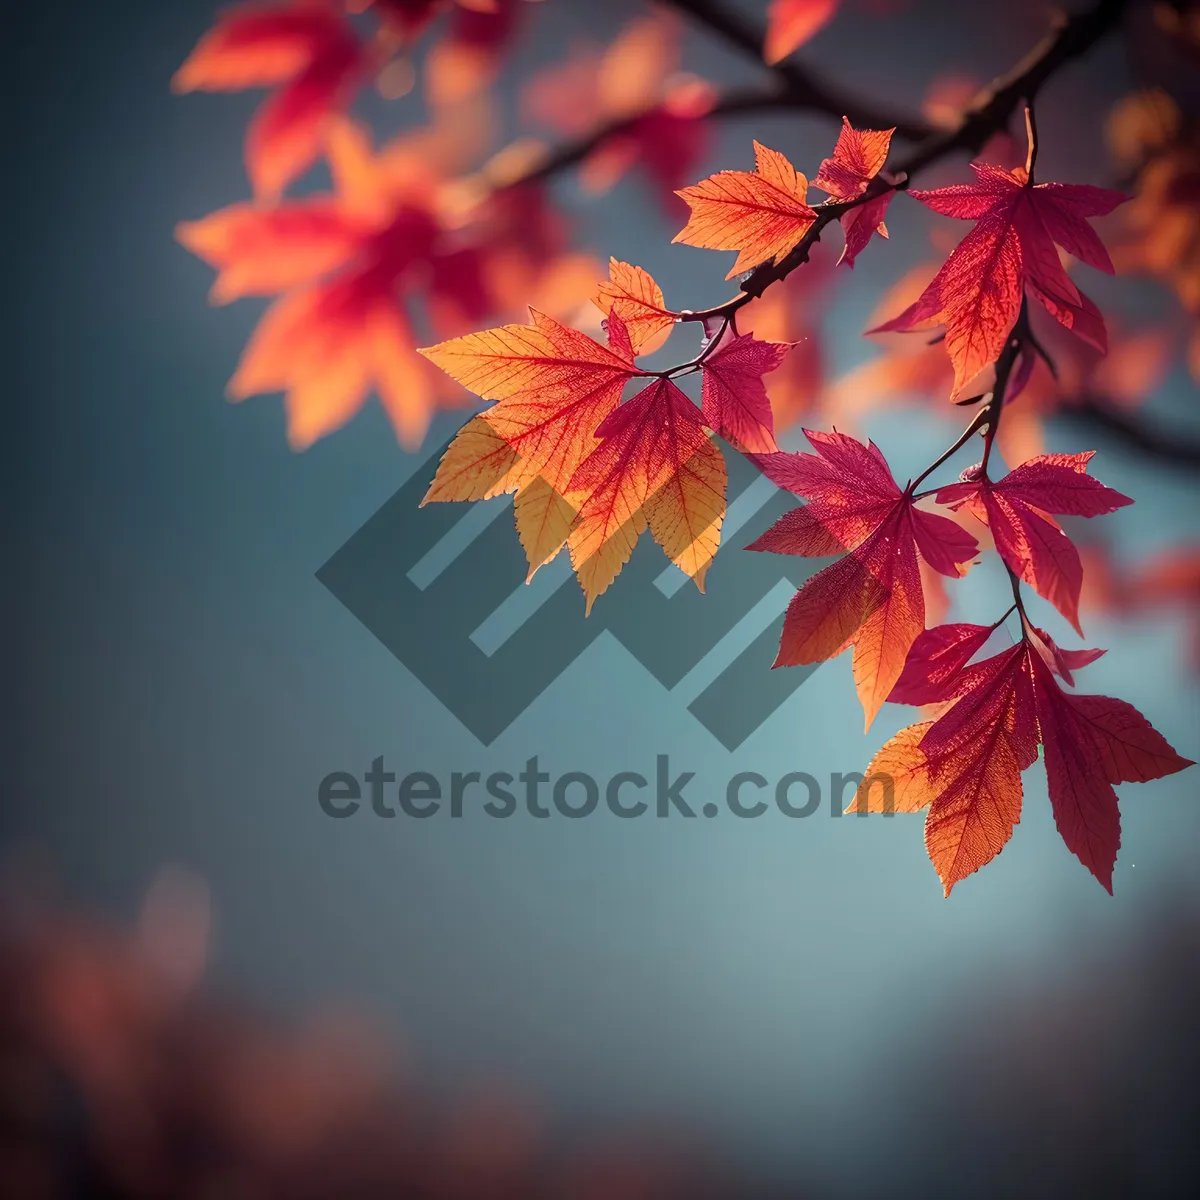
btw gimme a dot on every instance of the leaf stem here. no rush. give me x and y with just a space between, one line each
1031 139
977 422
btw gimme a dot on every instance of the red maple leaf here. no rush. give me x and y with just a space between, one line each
308 52
935 661
857 158
734 394
1018 511
966 765
872 598
978 292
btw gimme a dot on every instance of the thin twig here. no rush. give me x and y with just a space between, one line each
735 102
988 114
1107 416
800 87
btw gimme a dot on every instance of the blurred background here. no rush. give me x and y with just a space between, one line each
210 988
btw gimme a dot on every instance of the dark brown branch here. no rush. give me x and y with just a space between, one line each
799 87
988 114
570 154
1106 416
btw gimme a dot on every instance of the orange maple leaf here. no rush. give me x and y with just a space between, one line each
554 387
762 213
633 295
588 471
857 158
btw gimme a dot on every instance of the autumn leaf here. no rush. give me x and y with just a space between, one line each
872 598
260 251
1093 742
633 295
966 766
655 467
339 330
588 471
555 386
326 346
978 292
734 394
1018 511
790 23
308 52
347 263
935 662
761 214
857 158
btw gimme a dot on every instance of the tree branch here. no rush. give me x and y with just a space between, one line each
799 87
570 154
988 114
1101 414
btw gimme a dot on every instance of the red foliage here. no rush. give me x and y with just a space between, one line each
592 470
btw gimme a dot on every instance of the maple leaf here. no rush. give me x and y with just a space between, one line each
935 660
733 391
790 23
326 346
655 467
308 52
633 295
762 214
348 261
793 311
857 158
260 251
588 471
1018 511
966 765
872 598
977 293
554 386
